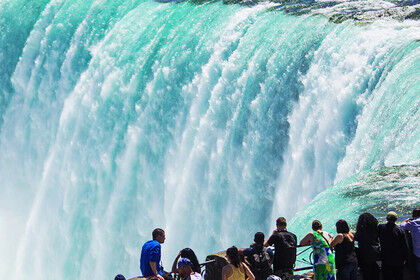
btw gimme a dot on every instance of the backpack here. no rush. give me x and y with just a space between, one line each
259 260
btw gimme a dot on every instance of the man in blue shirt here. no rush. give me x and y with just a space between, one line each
151 254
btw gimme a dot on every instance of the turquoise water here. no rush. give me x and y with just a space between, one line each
206 120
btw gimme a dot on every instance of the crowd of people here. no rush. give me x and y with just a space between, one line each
333 257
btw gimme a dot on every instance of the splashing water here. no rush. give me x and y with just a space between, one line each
206 120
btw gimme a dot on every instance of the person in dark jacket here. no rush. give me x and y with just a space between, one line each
345 254
394 249
368 246
285 244
259 257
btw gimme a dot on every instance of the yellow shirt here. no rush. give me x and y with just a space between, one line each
237 274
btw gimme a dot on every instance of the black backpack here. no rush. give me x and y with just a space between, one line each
259 259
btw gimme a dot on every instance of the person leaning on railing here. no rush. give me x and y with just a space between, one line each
345 254
324 263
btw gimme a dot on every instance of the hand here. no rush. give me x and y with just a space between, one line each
275 231
160 277
179 254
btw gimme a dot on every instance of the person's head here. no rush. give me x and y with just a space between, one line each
232 254
342 226
281 223
158 234
119 277
416 213
316 225
185 267
391 217
259 238
367 224
189 254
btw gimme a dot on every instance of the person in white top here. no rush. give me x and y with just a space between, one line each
185 270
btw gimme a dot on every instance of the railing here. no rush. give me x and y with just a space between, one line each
214 263
302 260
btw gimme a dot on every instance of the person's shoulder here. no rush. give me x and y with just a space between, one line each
381 226
273 238
147 243
247 251
227 269
196 276
340 236
153 244
326 233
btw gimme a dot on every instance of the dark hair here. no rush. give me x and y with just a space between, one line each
189 254
316 225
367 224
416 213
157 232
259 238
281 222
119 277
342 226
233 255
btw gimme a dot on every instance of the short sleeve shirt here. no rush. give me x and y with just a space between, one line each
284 249
150 252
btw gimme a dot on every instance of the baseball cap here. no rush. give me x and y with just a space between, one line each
184 262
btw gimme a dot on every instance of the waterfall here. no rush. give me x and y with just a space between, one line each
208 120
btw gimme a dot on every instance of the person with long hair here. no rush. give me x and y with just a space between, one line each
235 269
345 254
189 254
368 246
324 263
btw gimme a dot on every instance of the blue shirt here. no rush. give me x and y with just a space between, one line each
150 252
414 227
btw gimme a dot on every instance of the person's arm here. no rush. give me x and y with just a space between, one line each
406 225
337 240
155 272
248 272
174 269
307 240
269 241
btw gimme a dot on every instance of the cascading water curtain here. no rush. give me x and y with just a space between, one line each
208 120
